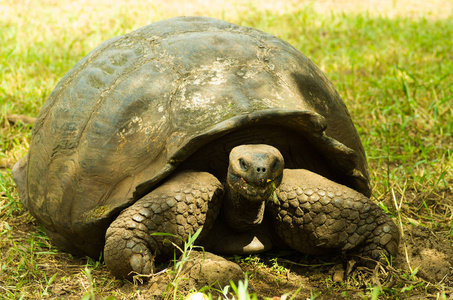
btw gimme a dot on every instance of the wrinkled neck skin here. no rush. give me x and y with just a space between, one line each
239 213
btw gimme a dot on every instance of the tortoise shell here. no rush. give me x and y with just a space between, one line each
136 107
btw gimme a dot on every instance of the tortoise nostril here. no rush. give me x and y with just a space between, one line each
261 170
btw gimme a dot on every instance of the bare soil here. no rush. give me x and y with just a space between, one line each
423 270
425 254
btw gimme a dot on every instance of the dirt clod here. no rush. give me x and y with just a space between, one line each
430 253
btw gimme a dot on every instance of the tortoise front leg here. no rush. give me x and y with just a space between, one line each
185 203
315 216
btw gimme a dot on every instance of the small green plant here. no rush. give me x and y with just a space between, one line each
276 267
48 284
178 266
8 205
274 193
314 294
375 292
241 290
90 294
95 264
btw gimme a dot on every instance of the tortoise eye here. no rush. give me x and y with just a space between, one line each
275 166
244 166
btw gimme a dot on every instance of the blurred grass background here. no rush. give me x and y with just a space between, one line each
391 61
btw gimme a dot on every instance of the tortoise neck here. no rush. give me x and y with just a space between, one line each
239 213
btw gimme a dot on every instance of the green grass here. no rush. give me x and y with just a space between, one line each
395 75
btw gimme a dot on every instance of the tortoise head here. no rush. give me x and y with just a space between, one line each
255 171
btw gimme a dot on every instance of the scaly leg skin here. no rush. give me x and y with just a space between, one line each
316 216
182 205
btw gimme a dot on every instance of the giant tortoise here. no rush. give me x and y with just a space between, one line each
195 123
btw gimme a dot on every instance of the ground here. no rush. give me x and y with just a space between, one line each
424 268
390 60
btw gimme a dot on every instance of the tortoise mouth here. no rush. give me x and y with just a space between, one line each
254 192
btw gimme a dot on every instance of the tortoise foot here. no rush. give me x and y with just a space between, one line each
381 243
316 216
128 245
162 220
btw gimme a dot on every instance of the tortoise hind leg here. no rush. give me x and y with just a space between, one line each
315 215
182 205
